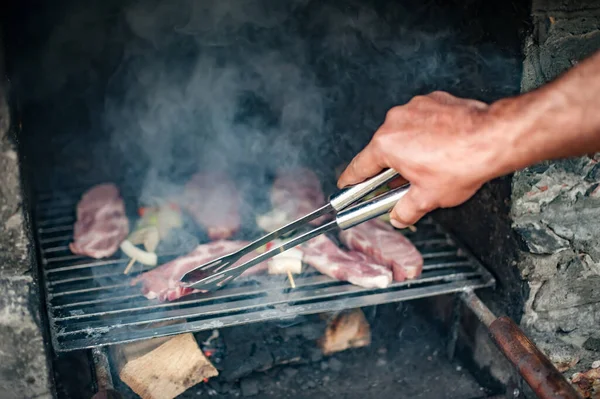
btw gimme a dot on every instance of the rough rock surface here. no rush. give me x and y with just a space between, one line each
24 371
556 205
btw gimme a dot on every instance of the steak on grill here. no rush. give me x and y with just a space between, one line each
386 246
101 222
164 283
354 267
213 201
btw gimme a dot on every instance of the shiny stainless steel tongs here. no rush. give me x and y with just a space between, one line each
215 274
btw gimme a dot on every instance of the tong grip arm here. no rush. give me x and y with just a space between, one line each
350 195
370 209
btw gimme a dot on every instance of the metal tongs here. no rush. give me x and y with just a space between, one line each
216 273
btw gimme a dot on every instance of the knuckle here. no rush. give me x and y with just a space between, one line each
442 95
419 99
393 113
426 100
379 143
439 93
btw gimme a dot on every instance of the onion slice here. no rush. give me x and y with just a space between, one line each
147 258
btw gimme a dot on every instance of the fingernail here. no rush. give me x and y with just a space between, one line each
397 224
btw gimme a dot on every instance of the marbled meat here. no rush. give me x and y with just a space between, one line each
352 266
386 246
164 282
212 199
101 223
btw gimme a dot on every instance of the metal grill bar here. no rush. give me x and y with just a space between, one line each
91 303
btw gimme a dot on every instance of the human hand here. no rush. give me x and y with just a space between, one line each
445 146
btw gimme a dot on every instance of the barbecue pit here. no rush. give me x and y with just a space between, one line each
146 93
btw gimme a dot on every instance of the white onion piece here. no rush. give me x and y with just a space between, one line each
290 260
272 220
147 258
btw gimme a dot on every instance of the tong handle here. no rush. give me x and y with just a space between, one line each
370 209
347 196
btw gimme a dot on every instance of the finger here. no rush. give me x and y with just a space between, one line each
366 164
408 210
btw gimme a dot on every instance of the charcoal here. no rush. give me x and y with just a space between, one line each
236 367
335 365
290 371
315 354
249 387
290 352
226 387
215 385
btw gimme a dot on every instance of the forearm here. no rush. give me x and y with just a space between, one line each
559 120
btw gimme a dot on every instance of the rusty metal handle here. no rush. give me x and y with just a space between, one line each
535 368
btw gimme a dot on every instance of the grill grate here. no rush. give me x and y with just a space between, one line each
91 304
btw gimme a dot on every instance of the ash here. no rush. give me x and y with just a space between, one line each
406 359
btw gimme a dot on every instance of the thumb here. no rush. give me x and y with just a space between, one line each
408 210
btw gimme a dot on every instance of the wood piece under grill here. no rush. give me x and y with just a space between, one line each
212 199
162 368
346 330
389 247
101 222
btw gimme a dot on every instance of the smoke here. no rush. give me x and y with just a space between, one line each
146 93
212 85
170 87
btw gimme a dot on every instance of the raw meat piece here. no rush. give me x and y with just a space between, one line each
386 246
213 201
298 192
101 222
354 267
163 282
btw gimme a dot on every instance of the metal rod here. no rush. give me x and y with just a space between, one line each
102 369
482 312
104 381
455 317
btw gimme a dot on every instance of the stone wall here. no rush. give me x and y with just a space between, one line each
24 371
556 205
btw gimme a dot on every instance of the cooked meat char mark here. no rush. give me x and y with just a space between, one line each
101 223
164 283
386 246
212 199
